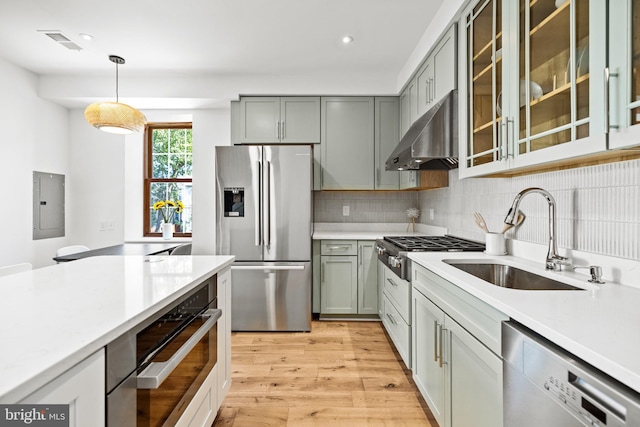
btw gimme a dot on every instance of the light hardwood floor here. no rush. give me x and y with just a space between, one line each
340 374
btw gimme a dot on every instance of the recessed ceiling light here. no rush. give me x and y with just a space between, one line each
347 39
86 36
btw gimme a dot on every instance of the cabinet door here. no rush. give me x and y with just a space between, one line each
408 107
557 111
427 347
445 65
476 380
347 143
339 285
425 86
300 120
482 150
367 278
624 85
259 120
380 280
82 388
224 335
387 134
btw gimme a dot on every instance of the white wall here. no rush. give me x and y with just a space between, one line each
96 162
35 137
210 128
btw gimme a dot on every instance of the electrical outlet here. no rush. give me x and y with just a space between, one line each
345 211
432 214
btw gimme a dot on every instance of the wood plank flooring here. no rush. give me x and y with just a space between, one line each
339 374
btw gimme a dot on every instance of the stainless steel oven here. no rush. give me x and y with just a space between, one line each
155 369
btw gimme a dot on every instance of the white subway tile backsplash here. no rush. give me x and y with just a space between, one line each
598 207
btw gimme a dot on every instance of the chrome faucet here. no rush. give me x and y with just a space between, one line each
554 260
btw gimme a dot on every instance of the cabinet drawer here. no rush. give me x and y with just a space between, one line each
479 318
399 292
398 330
339 247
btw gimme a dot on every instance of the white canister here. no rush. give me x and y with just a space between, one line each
496 244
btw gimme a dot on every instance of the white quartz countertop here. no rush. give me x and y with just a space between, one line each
52 318
599 325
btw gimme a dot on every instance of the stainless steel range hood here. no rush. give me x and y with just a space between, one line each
432 141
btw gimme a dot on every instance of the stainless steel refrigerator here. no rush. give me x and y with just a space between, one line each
264 196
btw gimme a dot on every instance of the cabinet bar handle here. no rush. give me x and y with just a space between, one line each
282 125
394 284
391 319
338 248
607 100
435 340
511 137
441 351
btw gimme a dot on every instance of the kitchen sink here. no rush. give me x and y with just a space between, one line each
507 276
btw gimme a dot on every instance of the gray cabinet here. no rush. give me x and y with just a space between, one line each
294 120
387 136
347 135
396 312
348 277
339 277
408 106
367 278
456 341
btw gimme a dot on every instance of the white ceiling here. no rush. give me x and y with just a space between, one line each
209 39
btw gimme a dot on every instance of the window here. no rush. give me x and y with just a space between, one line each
168 166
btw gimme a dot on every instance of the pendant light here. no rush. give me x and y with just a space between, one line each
115 117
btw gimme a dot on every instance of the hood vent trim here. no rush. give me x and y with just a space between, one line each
431 143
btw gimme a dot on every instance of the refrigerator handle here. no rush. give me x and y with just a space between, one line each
258 225
268 225
267 267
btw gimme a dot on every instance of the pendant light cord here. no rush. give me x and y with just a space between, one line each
117 82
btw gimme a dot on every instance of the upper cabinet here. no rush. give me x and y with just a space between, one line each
347 143
287 120
437 76
534 81
624 78
386 137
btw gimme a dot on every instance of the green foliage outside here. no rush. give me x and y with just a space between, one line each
172 158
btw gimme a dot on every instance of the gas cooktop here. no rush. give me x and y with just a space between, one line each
434 243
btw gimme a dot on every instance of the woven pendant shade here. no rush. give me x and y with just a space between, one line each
115 117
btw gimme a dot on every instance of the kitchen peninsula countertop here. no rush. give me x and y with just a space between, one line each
598 325
54 317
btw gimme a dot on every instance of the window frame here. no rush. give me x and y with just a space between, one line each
148 174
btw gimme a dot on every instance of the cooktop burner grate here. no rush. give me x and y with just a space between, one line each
434 243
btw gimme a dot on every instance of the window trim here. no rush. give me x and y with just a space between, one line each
148 174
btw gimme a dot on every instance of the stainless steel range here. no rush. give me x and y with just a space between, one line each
393 250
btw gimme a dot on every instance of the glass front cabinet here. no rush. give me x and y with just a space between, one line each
624 73
535 83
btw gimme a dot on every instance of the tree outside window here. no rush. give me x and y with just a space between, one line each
168 176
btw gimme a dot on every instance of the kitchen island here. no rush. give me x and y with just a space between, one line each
53 318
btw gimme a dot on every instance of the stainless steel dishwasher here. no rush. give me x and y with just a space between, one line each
547 386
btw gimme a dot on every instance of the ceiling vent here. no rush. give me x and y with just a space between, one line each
60 38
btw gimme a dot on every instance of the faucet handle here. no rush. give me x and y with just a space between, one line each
555 262
595 271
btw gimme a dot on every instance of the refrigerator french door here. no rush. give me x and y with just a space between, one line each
264 219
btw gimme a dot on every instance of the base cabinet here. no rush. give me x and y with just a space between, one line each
396 311
459 374
82 388
348 277
224 334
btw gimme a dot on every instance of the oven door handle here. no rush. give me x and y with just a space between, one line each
154 375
